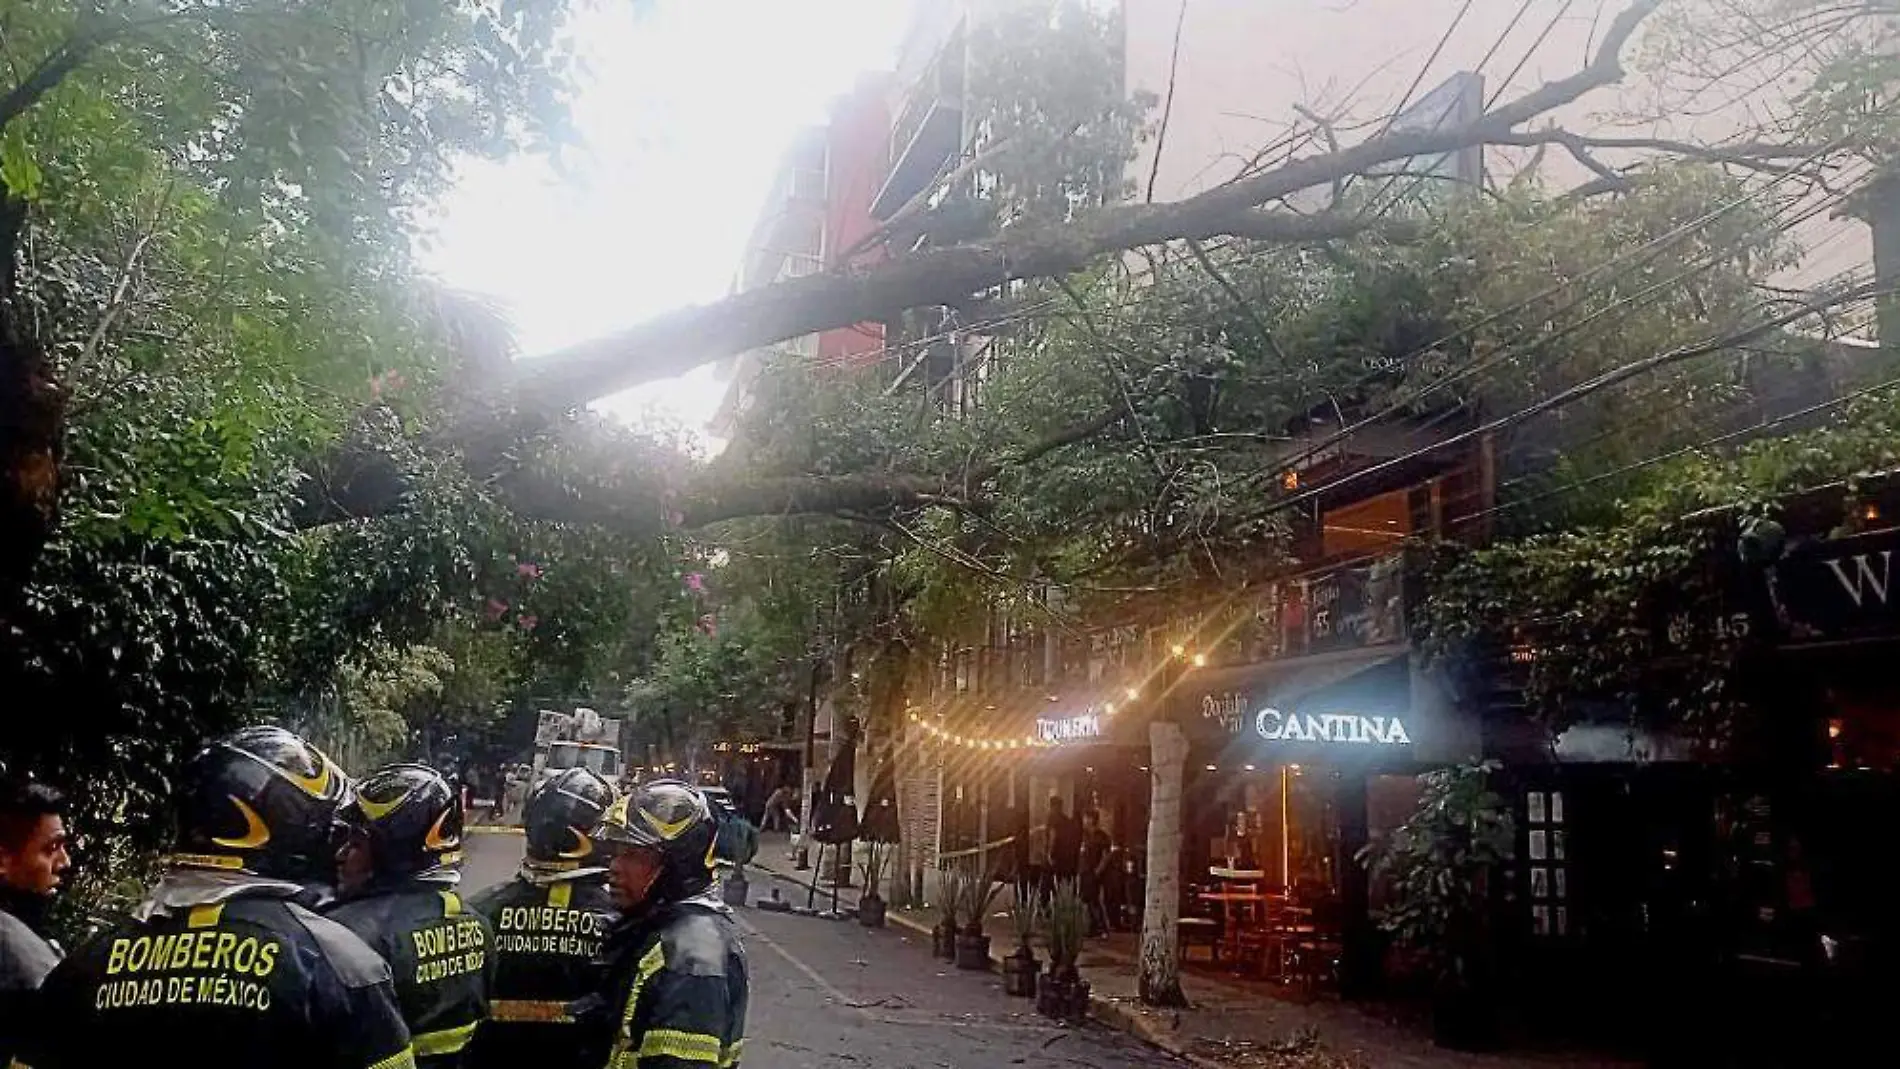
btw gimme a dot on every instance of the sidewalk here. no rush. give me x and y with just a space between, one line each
1230 1024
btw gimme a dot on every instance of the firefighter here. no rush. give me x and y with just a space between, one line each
549 923
399 856
676 984
224 965
33 862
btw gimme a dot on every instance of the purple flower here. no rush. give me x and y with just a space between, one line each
528 622
696 583
528 570
496 609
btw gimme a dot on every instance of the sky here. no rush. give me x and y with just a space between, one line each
684 112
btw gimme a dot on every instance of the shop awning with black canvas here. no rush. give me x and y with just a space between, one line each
1354 707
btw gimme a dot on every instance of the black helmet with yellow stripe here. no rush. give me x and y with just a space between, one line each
671 818
561 815
411 820
259 801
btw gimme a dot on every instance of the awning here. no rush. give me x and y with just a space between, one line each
1343 709
1220 704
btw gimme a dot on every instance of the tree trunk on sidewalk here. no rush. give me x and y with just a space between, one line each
1160 969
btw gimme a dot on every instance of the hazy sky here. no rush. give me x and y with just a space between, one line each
685 112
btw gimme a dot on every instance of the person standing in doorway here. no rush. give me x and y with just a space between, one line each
1065 843
32 862
1094 874
1038 873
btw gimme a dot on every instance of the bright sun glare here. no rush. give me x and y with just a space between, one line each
684 113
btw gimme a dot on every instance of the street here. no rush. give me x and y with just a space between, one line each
830 994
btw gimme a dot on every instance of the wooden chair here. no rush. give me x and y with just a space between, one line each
1316 945
1195 927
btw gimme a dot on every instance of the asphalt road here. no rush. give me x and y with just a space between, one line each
827 994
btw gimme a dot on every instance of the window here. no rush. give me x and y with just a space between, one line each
1366 528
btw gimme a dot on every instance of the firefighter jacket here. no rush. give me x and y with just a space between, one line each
220 970
677 987
26 956
548 937
439 952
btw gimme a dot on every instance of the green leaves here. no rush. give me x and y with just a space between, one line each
18 171
1437 862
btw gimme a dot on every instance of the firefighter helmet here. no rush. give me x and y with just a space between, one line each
259 801
561 815
411 820
672 819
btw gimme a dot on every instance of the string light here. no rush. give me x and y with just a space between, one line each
997 744
971 742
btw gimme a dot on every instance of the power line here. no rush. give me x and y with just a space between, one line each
1655 244
1580 390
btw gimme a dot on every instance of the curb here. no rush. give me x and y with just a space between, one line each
495 829
1112 1013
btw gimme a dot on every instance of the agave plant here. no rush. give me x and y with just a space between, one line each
1068 925
950 894
1023 916
979 893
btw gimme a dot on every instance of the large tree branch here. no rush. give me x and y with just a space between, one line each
1770 157
685 339
362 481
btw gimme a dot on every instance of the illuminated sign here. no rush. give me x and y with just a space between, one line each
1332 727
1227 710
1069 729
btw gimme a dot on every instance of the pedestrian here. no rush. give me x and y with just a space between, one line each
514 794
1065 843
223 966
398 865
676 986
1017 821
549 923
33 861
1039 874
1093 872
778 809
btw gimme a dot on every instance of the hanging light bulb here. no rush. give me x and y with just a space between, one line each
1200 660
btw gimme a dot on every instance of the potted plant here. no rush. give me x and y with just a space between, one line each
943 938
973 944
1019 969
1061 992
871 906
1438 866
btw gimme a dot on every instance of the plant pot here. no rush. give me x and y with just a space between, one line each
1062 999
973 951
735 888
871 911
1046 995
943 941
1019 972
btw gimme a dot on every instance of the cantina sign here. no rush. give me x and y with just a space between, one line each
1332 727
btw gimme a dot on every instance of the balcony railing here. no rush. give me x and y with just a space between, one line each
928 130
798 265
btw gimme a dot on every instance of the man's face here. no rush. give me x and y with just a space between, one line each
632 876
40 860
355 864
